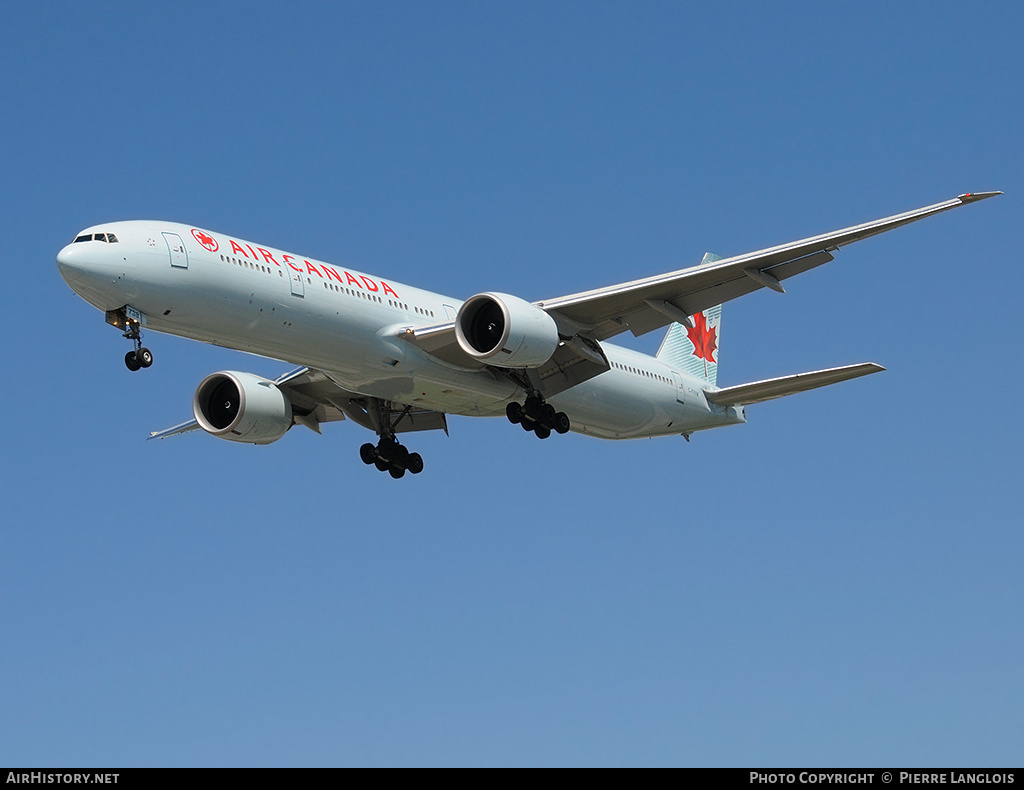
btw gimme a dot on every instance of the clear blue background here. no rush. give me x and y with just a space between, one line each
836 583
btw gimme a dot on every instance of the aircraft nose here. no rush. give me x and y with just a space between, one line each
66 260
72 265
91 275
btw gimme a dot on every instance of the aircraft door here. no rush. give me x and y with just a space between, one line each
298 287
176 249
679 388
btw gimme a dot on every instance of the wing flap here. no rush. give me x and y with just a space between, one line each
404 419
759 391
312 395
572 363
316 392
652 314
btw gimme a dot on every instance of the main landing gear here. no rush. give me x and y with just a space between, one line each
537 416
390 455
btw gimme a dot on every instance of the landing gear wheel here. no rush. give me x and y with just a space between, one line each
131 361
397 472
548 414
392 451
514 412
382 465
368 453
414 463
561 424
527 425
542 431
144 357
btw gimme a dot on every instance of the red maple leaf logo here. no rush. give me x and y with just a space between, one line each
703 337
206 240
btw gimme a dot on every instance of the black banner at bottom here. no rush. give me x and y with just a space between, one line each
881 777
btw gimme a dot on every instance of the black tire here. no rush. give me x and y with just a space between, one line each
562 422
528 425
386 449
414 463
131 362
514 412
533 407
542 431
144 357
548 415
397 472
368 453
381 464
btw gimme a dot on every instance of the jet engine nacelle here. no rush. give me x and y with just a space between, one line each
505 331
241 407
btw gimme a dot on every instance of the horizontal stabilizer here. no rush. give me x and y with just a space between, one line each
745 394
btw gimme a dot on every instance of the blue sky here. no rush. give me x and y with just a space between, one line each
836 583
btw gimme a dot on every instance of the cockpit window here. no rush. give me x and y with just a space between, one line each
105 237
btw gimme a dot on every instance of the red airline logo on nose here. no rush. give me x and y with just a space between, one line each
206 240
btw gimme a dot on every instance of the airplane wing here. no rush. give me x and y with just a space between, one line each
185 427
642 306
316 399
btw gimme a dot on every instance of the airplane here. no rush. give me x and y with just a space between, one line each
396 359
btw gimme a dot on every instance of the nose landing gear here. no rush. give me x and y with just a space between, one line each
129 321
140 357
537 416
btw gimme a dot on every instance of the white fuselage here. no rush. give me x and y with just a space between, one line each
222 290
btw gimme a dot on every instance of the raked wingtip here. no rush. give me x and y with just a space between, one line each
971 197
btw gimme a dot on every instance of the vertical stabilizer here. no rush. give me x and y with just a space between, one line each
694 350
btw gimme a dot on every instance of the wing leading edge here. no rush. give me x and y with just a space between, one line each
644 305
